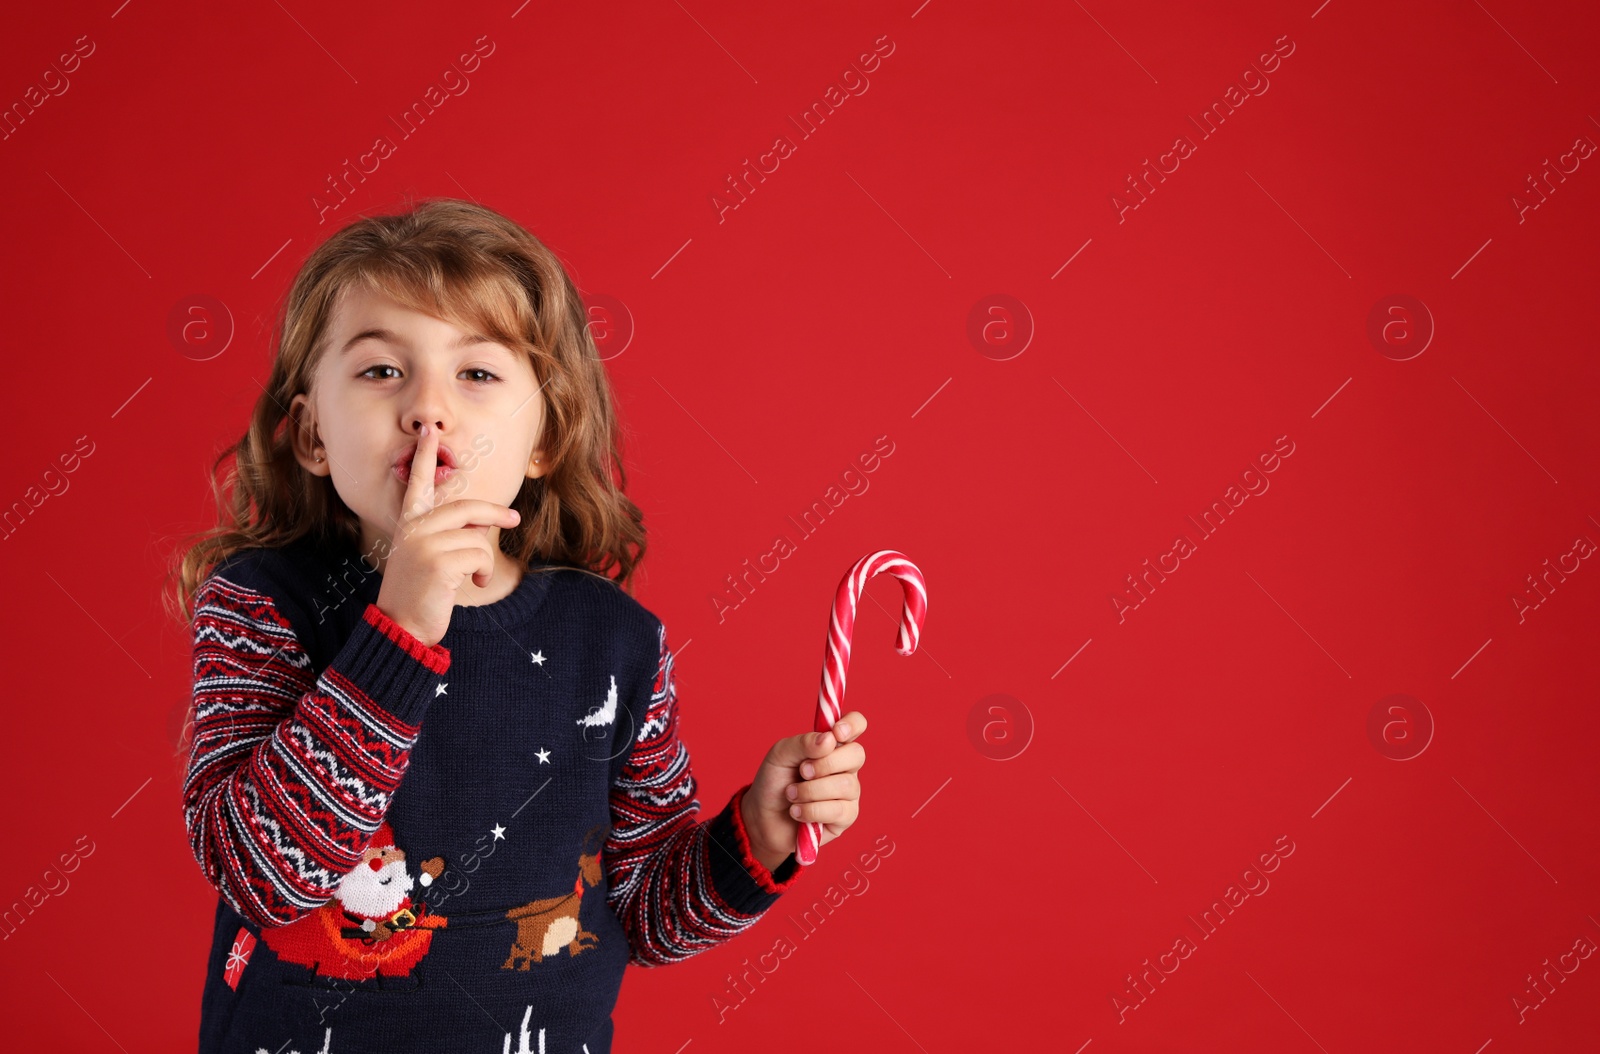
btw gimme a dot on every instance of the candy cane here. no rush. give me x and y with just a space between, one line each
836 659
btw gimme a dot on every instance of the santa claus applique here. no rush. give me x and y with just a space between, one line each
372 925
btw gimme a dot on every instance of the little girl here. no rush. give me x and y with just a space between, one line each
435 776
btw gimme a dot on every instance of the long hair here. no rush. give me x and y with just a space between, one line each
473 267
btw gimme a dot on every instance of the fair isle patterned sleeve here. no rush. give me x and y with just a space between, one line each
289 776
679 886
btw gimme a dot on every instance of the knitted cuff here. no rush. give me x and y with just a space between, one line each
435 657
740 881
389 666
771 881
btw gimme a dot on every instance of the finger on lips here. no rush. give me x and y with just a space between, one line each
419 489
421 494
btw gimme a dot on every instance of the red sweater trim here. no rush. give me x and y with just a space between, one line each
435 657
757 869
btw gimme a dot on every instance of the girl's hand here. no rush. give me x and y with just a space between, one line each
435 548
820 769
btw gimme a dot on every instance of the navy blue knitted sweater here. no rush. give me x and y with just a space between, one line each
451 848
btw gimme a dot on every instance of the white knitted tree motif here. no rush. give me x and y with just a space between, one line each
327 1038
522 1047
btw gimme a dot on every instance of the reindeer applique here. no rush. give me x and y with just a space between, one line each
544 927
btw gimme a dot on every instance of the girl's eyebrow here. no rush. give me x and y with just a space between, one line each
390 337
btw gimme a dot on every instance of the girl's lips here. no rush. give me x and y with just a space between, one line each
440 473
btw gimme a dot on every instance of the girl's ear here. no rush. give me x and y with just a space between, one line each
302 438
537 465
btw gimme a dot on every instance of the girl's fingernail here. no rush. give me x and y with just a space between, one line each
795 812
844 729
793 792
807 770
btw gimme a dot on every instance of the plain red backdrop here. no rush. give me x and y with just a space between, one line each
1167 346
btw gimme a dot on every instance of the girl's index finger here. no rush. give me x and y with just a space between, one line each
419 489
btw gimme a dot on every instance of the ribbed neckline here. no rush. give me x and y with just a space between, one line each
513 609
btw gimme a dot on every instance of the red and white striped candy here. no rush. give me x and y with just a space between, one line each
836 659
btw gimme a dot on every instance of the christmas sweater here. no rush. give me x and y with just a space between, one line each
449 848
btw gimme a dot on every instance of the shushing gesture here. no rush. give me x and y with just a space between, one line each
435 547
809 778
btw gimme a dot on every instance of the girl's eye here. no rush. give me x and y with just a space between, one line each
493 378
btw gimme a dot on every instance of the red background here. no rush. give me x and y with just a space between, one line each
772 345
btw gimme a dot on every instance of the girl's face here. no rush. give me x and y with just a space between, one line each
387 370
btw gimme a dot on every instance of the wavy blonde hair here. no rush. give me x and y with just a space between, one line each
473 267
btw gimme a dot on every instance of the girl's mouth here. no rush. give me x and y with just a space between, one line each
440 473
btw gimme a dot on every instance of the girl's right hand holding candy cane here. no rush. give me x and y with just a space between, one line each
435 548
